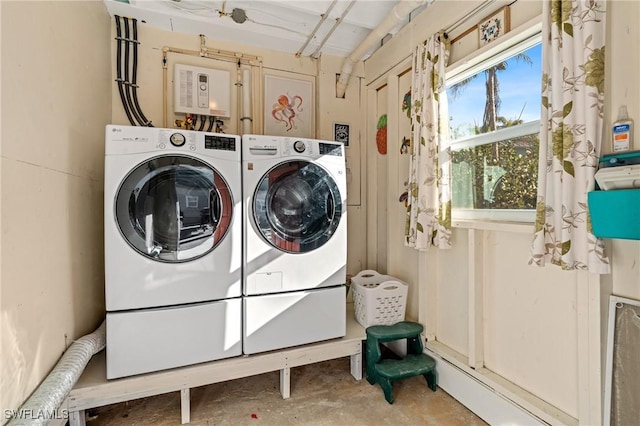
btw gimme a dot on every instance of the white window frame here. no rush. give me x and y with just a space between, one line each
489 55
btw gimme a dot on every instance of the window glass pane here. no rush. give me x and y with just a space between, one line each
500 175
502 95
494 127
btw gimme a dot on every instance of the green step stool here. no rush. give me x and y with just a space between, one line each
385 371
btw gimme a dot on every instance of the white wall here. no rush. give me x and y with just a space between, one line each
55 103
623 88
535 331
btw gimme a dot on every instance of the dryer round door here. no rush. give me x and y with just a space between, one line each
297 206
173 208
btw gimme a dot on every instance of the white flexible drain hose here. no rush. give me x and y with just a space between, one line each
51 393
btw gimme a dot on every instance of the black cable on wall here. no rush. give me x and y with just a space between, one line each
127 83
134 86
119 79
128 90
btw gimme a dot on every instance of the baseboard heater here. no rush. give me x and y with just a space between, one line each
477 396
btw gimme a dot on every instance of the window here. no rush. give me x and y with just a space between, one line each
494 120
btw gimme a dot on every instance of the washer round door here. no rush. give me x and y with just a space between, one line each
297 206
173 208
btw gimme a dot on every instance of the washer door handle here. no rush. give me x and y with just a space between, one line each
215 209
331 208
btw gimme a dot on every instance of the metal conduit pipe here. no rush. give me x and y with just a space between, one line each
316 53
246 119
50 395
399 12
323 17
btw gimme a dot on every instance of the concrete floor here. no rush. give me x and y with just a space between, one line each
321 394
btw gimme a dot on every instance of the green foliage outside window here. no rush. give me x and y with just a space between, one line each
501 175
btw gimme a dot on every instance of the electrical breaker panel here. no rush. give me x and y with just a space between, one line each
202 91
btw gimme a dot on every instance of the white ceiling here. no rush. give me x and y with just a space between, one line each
283 25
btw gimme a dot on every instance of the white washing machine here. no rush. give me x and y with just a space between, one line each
295 241
173 248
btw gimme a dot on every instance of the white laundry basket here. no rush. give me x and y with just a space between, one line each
378 299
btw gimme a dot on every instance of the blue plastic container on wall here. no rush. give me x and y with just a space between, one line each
615 213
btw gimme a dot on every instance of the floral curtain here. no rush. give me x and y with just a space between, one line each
428 221
573 36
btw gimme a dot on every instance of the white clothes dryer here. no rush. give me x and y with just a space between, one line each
295 241
173 248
